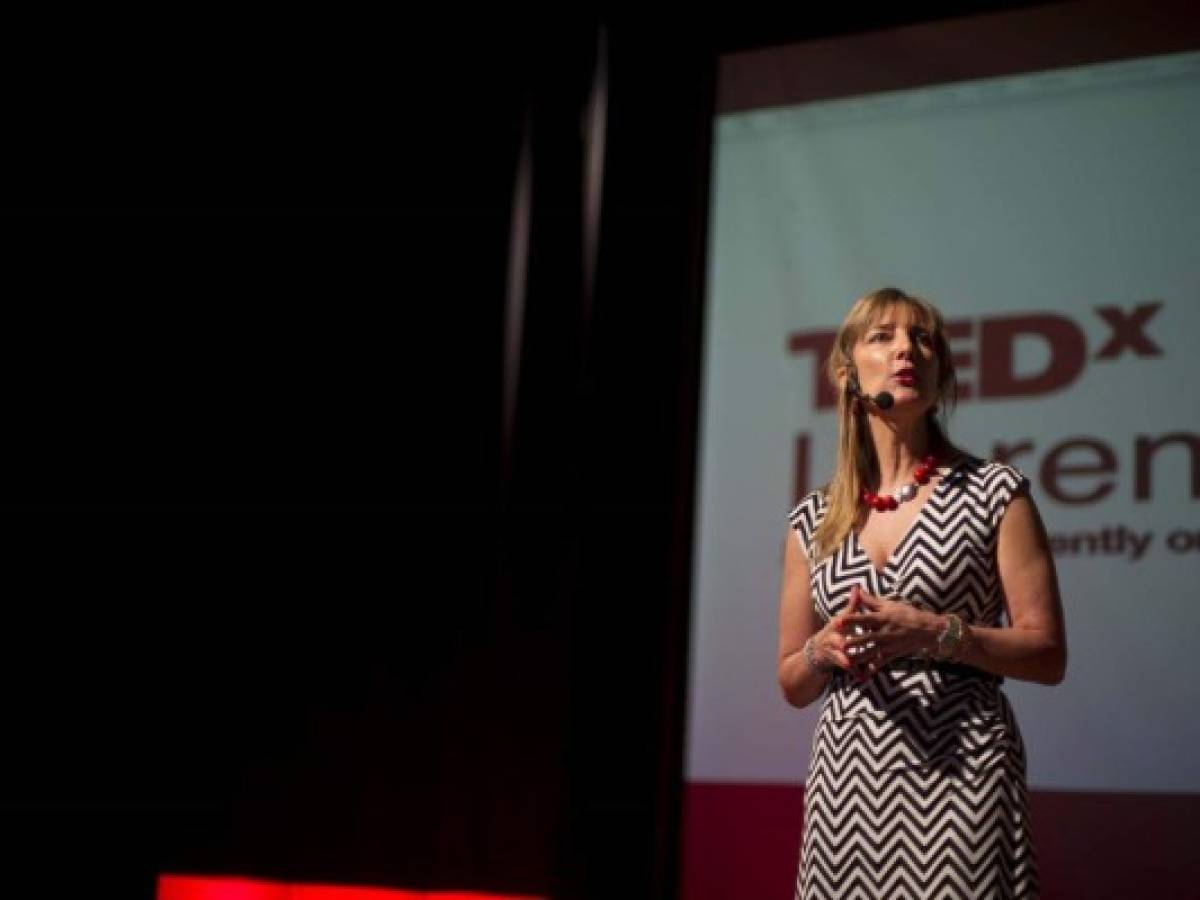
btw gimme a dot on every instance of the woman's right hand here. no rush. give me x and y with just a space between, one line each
829 648
829 644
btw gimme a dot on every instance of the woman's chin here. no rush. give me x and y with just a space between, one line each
907 400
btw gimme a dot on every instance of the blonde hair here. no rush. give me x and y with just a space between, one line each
857 463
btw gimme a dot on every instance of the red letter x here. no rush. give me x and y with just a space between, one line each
1127 331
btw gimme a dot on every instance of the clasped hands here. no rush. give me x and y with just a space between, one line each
872 631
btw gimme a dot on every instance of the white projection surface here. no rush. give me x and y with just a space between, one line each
1055 219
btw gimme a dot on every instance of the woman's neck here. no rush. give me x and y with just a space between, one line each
899 448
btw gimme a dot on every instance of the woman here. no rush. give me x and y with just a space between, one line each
896 576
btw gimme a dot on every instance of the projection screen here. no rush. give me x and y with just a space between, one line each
1054 217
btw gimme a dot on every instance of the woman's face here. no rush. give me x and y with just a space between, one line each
896 354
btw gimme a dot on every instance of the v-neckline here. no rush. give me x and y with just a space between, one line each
912 526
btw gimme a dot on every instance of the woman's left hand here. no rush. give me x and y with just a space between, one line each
894 626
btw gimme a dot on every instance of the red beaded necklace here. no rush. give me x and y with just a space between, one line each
888 502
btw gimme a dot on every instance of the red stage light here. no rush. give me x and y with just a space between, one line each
194 887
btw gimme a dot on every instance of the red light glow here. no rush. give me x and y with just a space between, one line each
189 887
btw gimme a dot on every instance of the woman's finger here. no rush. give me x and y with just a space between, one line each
863 640
870 601
863 636
853 603
867 620
867 651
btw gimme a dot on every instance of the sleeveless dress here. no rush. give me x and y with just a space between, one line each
916 784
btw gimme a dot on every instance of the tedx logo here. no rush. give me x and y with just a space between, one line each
984 351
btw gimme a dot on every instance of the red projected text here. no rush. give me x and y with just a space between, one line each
1063 339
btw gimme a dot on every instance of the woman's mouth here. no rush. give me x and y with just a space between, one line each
907 377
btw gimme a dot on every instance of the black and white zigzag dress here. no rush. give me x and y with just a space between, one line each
916 785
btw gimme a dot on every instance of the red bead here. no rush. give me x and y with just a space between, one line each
921 475
881 504
867 496
930 461
892 502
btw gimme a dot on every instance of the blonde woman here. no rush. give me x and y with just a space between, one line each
913 584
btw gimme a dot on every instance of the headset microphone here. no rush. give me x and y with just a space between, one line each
883 399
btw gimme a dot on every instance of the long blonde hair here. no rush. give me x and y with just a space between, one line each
857 463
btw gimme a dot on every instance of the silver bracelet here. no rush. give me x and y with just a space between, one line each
950 637
810 657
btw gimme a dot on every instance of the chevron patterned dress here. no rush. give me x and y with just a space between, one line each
916 783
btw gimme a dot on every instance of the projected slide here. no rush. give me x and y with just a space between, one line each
1054 218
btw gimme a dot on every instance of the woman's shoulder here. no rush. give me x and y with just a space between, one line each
810 507
992 472
990 485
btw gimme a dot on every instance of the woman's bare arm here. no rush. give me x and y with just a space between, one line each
798 620
1034 648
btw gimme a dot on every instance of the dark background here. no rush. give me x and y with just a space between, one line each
273 607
